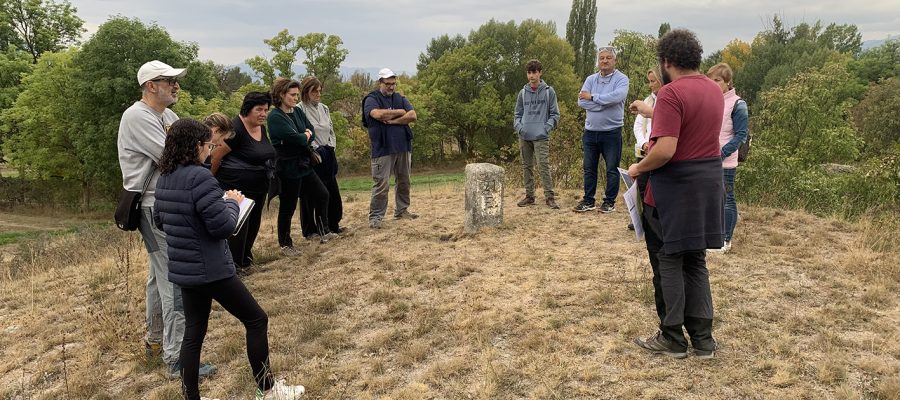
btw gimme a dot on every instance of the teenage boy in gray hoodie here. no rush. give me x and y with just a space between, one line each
537 113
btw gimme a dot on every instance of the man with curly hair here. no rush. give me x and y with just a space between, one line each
683 204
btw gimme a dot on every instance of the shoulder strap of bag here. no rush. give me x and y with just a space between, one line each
149 178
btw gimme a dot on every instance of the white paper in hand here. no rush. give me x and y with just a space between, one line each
632 198
243 213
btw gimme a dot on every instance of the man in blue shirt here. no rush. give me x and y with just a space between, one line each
603 97
387 115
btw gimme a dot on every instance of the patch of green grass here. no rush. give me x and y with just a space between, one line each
19 236
364 183
13 237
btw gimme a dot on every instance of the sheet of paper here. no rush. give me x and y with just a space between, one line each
633 202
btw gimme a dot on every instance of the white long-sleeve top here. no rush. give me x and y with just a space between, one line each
642 127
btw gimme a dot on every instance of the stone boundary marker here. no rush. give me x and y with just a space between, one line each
484 196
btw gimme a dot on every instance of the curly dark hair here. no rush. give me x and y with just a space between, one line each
182 144
253 99
533 66
680 48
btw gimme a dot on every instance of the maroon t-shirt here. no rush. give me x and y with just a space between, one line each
689 109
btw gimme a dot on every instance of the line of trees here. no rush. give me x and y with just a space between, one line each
816 98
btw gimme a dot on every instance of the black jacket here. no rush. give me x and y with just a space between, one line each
690 197
197 221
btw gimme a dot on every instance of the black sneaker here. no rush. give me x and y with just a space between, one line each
607 208
527 201
660 345
584 207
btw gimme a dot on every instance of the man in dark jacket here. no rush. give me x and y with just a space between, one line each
684 196
387 115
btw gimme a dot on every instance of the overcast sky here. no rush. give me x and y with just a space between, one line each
392 34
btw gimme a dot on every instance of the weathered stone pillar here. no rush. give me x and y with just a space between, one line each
484 196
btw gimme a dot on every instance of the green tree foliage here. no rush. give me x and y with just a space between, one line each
14 65
635 57
437 48
38 26
202 79
469 92
324 55
45 143
876 118
778 54
580 32
664 28
879 63
105 74
284 48
808 117
230 79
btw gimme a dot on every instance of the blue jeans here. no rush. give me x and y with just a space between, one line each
731 211
608 144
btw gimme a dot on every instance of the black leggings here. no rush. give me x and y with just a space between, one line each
327 172
237 300
311 189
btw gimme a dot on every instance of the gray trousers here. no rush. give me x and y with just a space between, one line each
165 312
539 150
382 168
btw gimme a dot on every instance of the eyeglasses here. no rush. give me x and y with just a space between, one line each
390 84
170 79
212 146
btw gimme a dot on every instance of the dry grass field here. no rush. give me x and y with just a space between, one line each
544 307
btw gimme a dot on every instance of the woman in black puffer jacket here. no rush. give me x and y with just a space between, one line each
197 219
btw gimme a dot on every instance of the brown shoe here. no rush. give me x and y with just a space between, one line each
551 202
527 201
660 345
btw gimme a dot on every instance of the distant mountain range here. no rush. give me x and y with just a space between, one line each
300 70
870 44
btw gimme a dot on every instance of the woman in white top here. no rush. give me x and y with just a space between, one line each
643 124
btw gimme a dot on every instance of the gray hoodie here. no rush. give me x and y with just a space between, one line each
537 112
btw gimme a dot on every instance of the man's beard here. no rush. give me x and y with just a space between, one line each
666 79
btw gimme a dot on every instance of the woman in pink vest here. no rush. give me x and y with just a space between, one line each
734 132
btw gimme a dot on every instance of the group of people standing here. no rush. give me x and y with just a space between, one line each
282 144
193 176
687 133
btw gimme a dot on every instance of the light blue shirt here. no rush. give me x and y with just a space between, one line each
606 109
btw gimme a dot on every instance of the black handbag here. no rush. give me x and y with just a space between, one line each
128 211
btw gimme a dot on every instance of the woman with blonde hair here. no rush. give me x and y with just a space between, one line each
734 132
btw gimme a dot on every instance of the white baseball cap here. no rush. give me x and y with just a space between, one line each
155 69
386 73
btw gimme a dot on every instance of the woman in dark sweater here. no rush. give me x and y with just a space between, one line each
291 134
242 163
197 218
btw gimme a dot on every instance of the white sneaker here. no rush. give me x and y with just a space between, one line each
724 248
281 391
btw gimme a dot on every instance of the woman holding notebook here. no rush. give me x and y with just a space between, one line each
197 219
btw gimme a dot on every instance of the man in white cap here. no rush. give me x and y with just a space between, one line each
387 116
142 135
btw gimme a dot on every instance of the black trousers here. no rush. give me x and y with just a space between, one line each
327 172
254 185
680 288
237 300
311 190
